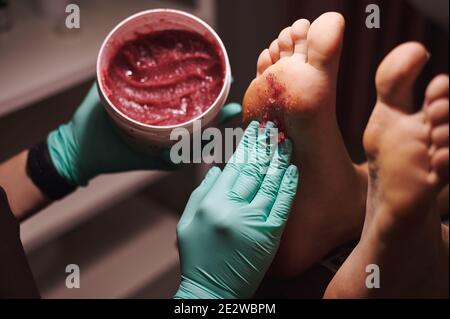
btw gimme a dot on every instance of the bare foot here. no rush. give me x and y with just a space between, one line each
408 167
296 88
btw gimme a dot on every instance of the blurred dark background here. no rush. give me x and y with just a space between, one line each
121 229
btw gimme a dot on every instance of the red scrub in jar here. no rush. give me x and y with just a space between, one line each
166 77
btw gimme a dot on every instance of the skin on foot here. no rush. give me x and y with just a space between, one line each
295 87
408 168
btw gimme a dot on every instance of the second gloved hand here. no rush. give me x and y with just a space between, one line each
89 145
232 225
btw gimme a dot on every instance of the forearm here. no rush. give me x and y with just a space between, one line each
24 196
16 278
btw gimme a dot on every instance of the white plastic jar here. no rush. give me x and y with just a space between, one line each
147 137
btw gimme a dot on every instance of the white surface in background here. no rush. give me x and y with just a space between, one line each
36 61
85 203
129 267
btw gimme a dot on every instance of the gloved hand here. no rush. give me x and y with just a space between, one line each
88 145
232 224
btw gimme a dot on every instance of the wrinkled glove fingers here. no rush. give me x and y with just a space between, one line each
283 203
267 194
239 158
253 172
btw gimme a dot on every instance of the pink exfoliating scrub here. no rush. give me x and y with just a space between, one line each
275 109
165 77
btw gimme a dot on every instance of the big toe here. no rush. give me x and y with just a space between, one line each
398 72
325 38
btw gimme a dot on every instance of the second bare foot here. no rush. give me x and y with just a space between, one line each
408 167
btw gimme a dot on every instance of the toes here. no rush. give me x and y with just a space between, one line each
274 51
397 74
325 40
437 89
264 61
437 109
438 112
285 43
439 136
299 33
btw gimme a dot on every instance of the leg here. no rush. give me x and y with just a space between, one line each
408 167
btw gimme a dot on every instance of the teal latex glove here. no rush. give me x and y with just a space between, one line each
89 145
232 225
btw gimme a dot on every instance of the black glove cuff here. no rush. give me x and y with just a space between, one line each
43 173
